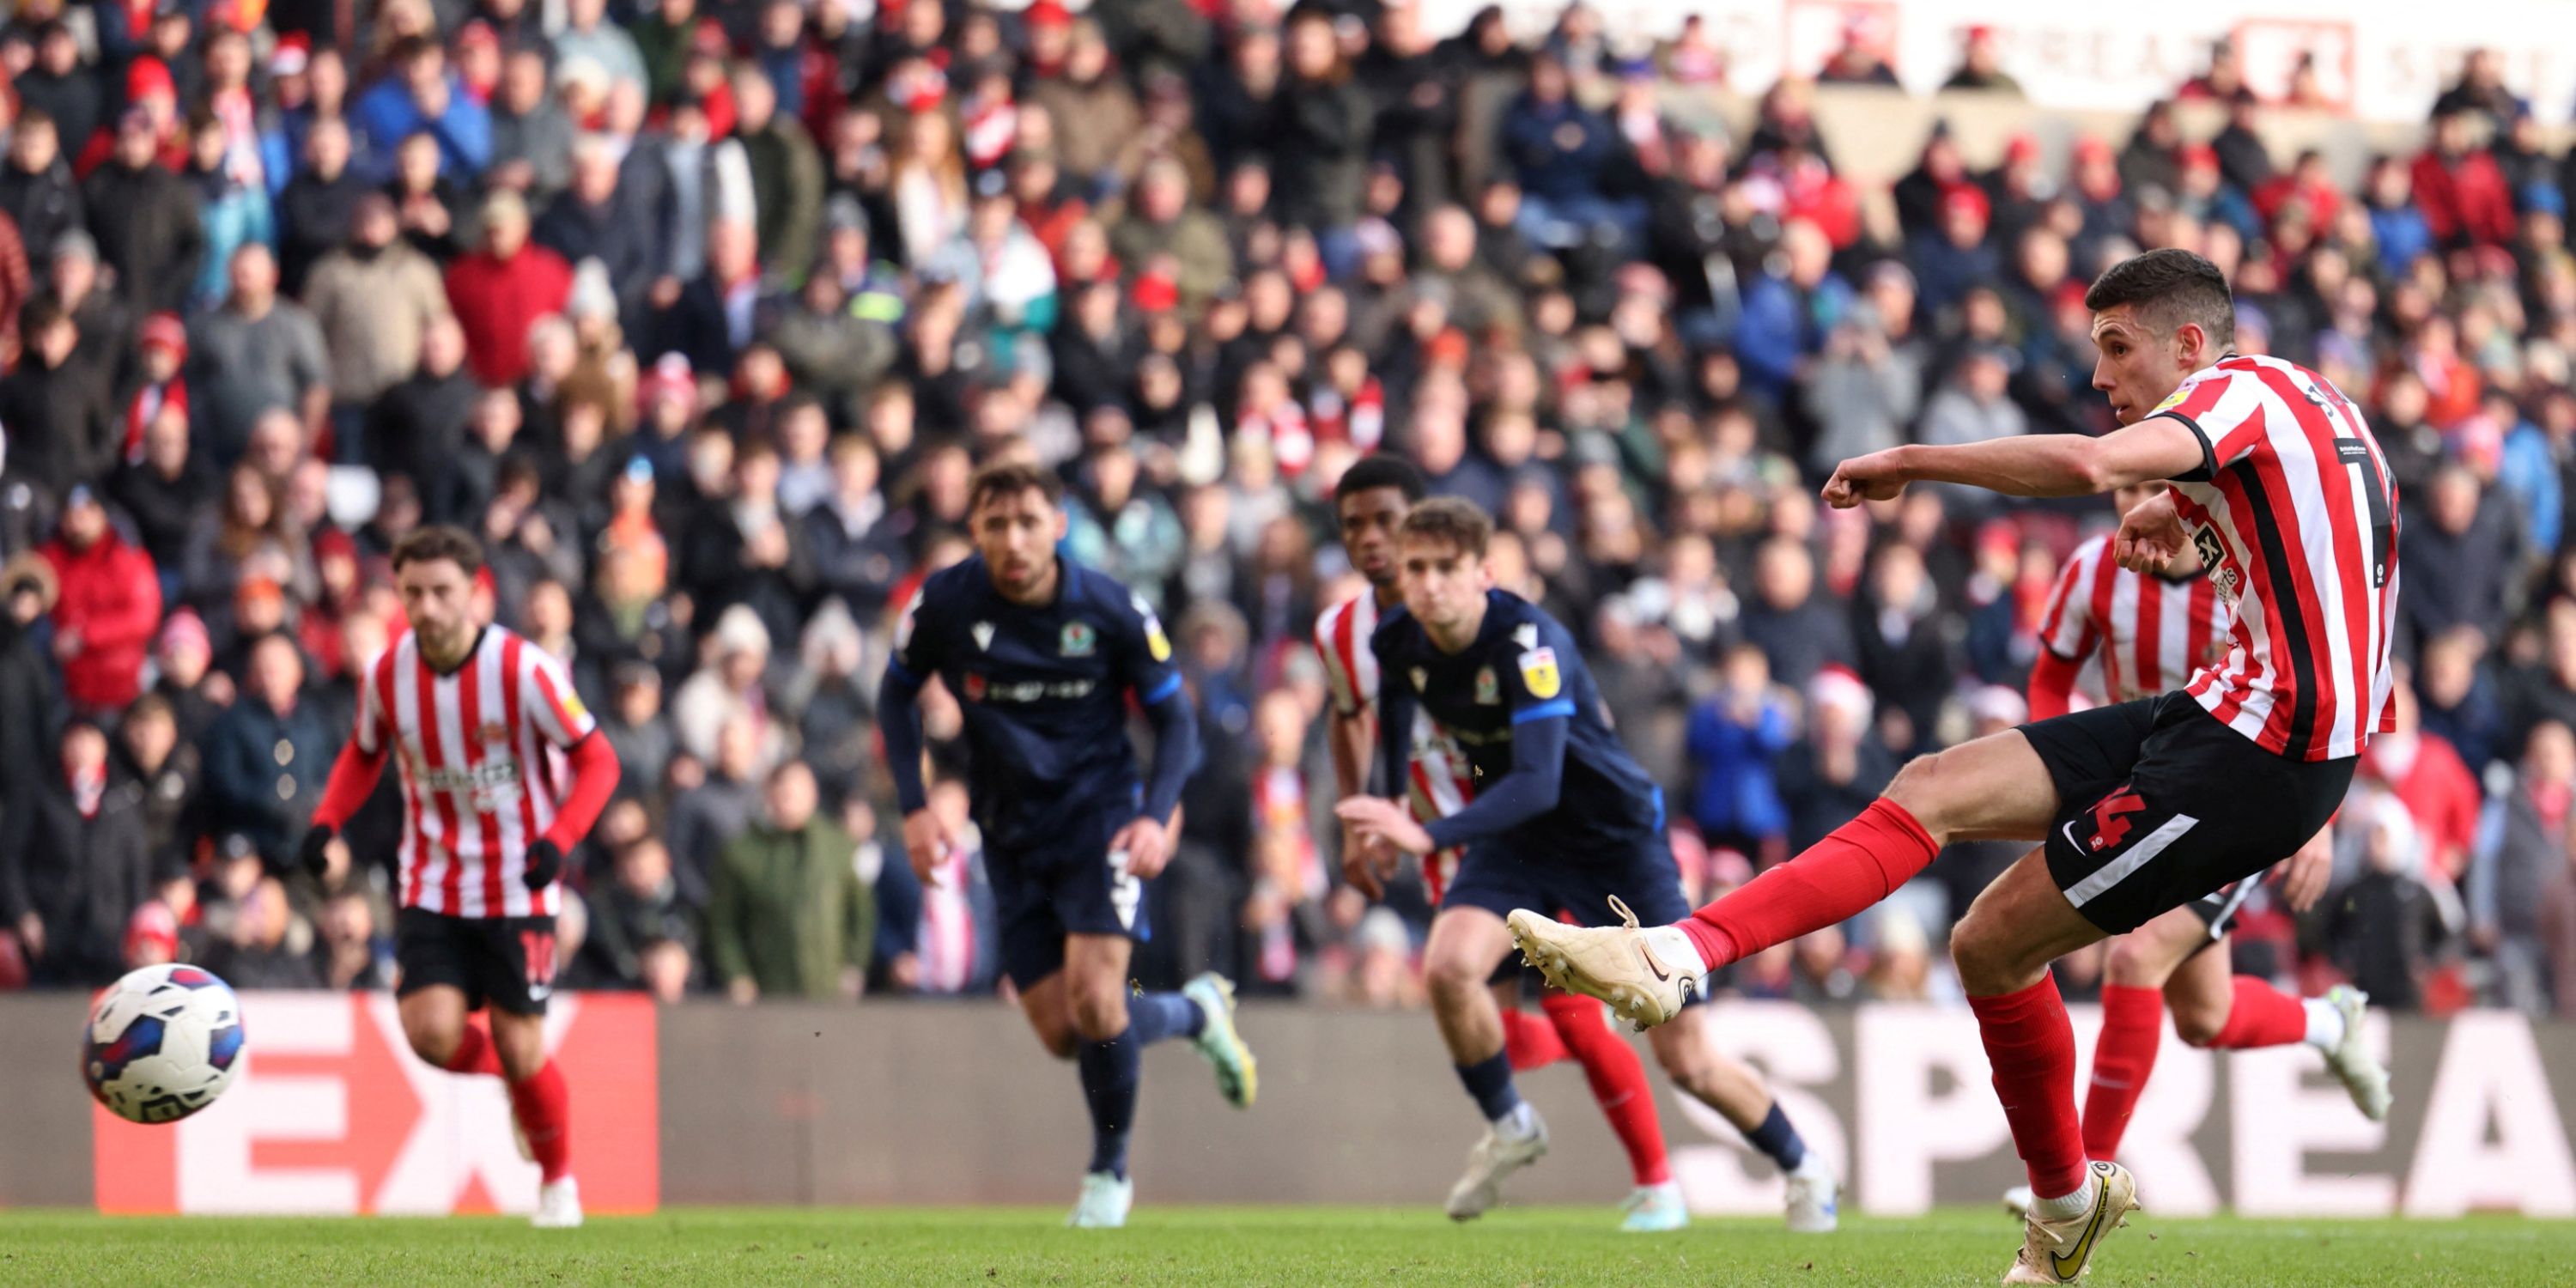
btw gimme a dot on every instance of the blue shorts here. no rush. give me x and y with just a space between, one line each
1640 872
1069 886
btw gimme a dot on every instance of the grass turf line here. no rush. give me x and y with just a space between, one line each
1285 1246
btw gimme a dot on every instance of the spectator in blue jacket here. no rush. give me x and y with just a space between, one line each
421 96
266 758
1788 313
1563 154
1735 734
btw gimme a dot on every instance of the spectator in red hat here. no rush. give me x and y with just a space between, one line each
163 356
1946 265
111 604
150 91
1981 64
1861 58
502 288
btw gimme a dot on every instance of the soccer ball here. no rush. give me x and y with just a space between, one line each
162 1043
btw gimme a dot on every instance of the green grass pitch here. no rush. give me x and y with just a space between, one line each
1282 1246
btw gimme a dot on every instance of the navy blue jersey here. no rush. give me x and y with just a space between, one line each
1044 689
1524 667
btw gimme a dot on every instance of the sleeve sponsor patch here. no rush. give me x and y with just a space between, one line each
1539 674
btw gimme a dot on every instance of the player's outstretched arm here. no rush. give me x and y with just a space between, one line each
2040 465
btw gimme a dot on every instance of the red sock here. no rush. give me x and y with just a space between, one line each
474 1053
1618 1081
2133 1020
1530 1041
1858 864
2032 1047
2261 1016
544 1110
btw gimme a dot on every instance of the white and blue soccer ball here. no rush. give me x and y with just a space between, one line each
162 1043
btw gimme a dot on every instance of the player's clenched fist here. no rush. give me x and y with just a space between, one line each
2151 535
1875 477
927 839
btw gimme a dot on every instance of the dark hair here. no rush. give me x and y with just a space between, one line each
2169 287
1378 470
1454 520
437 542
1008 479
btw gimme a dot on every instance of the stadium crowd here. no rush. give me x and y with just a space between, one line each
700 316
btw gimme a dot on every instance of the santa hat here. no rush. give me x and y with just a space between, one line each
1840 688
294 53
146 77
166 331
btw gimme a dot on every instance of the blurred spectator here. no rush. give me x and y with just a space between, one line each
2382 925
2462 554
713 805
254 354
267 756
348 953
502 288
166 773
145 219
423 96
73 863
1736 734
56 407
2509 887
638 908
109 605
268 945
1981 64
36 190
787 915
1838 769
374 299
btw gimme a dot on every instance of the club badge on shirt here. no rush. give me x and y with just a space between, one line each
1078 640
1420 677
1489 691
1539 674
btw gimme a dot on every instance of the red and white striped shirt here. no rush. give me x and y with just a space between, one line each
2295 516
1439 781
2153 632
482 768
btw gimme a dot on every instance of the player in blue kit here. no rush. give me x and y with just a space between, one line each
1562 819
1042 654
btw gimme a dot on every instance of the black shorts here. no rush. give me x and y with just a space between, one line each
504 962
2158 804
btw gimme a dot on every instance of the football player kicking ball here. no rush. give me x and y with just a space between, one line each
479 719
1042 654
2152 630
2141 807
1370 502
1564 820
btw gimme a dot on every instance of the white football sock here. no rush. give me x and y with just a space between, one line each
1672 946
2325 1024
1519 1123
2070 1205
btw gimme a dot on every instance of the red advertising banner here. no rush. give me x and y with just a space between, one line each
333 1114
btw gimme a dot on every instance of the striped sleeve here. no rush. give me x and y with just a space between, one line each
2067 628
549 699
375 705
1334 640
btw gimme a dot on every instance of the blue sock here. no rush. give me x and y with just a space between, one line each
1152 1017
1490 1082
1777 1139
1110 1071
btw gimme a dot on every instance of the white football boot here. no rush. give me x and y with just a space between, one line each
1493 1158
1104 1202
1644 974
2059 1252
2362 1075
558 1206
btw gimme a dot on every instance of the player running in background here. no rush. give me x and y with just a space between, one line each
1563 820
2151 630
2141 807
1370 503
482 722
1042 653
